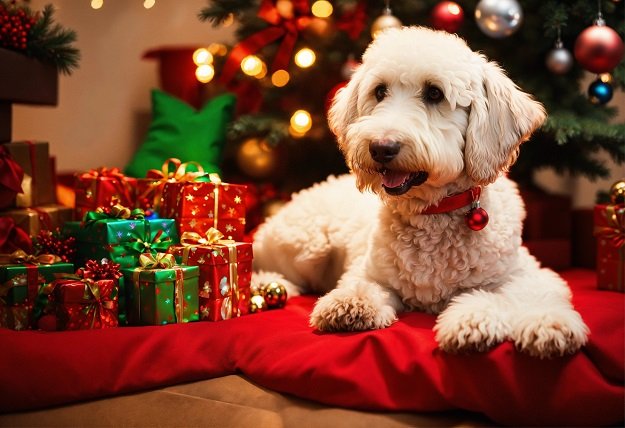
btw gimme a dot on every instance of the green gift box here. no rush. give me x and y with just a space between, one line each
16 280
161 296
19 287
119 240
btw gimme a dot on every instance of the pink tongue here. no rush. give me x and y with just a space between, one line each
394 178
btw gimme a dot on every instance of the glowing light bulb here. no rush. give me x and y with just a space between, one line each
202 56
321 9
280 78
305 57
218 49
605 77
204 73
97 4
149 3
252 65
301 122
263 71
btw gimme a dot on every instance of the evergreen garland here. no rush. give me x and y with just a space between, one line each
42 38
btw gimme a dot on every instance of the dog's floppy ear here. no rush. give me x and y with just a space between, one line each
499 121
343 110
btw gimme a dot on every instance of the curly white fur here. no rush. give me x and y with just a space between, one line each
375 254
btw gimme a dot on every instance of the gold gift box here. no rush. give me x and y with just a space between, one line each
45 217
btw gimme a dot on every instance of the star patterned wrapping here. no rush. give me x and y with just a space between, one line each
198 206
225 275
83 304
103 187
162 296
19 286
610 232
119 240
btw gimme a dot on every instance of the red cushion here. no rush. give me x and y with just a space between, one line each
398 368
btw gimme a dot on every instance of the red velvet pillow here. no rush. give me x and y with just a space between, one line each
398 368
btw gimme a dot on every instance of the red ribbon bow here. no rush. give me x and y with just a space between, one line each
11 173
279 27
13 238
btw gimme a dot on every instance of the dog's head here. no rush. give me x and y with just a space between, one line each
424 111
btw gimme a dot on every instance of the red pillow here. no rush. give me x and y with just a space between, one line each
398 368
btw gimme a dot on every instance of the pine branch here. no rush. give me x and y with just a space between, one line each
271 129
51 42
219 10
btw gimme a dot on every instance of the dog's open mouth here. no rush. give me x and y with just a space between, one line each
399 182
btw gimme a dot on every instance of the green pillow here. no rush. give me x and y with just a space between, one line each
179 131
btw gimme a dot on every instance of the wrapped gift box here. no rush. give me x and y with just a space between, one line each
45 217
120 240
197 206
610 233
162 296
225 275
103 187
12 176
38 181
19 286
83 305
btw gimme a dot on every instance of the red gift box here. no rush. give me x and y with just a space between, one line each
610 233
225 274
199 205
83 304
103 187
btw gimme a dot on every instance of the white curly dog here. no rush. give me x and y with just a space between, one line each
425 125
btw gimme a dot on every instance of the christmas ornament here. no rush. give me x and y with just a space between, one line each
599 48
600 92
617 192
477 218
274 294
448 16
257 304
256 159
385 21
498 18
559 60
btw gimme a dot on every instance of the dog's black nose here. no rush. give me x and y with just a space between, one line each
384 151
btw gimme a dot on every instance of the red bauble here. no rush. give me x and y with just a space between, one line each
477 219
599 49
448 16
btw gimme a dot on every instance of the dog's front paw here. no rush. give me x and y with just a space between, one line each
461 330
552 334
342 310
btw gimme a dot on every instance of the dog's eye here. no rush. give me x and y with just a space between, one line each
434 94
380 92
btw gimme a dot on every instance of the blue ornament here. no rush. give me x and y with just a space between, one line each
600 92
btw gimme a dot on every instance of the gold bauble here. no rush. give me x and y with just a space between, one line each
617 192
257 304
274 294
383 22
256 158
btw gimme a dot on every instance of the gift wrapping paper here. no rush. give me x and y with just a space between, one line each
162 296
197 206
224 279
609 230
19 287
103 187
119 240
85 304
44 217
38 181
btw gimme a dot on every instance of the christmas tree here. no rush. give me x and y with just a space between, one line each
293 55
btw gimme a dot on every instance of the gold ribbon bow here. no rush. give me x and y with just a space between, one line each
158 261
97 304
212 236
21 257
179 173
614 232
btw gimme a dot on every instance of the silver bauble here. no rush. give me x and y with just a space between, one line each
498 18
559 60
384 21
